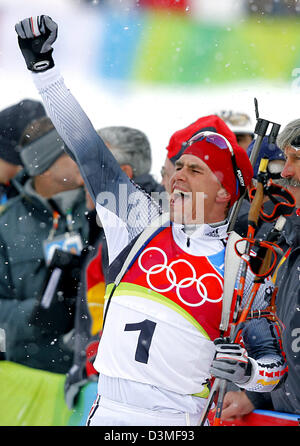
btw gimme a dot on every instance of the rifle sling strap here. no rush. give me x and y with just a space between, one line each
145 235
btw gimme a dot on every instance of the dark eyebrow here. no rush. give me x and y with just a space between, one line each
189 165
195 166
178 163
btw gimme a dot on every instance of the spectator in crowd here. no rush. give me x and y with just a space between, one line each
131 148
13 121
178 141
142 380
48 213
241 125
286 396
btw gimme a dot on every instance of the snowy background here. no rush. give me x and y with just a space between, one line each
157 107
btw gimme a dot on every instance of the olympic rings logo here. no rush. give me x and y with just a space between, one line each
183 283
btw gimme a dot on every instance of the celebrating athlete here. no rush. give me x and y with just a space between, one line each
157 352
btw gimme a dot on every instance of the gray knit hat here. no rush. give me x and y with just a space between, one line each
39 156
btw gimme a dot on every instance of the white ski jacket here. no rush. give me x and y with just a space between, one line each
164 321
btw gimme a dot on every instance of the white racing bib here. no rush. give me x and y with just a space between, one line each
146 342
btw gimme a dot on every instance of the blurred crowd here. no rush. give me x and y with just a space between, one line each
247 7
53 255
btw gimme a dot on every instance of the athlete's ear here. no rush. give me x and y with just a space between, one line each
223 196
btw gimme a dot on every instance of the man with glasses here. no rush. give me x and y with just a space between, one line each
165 285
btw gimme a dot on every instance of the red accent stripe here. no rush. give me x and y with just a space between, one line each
32 27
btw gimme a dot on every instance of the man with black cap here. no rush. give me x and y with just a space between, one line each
13 121
47 215
166 272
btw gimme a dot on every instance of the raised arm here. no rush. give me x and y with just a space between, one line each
118 200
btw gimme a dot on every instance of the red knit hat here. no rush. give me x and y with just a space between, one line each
220 162
213 123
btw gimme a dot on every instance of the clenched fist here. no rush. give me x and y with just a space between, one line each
36 36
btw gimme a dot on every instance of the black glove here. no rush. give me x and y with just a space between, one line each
231 363
35 37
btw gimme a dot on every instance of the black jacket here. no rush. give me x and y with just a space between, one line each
24 225
286 398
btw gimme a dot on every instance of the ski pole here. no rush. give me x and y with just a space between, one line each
209 401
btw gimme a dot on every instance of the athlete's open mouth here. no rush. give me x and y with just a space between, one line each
181 195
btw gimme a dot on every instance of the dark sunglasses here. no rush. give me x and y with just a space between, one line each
221 142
